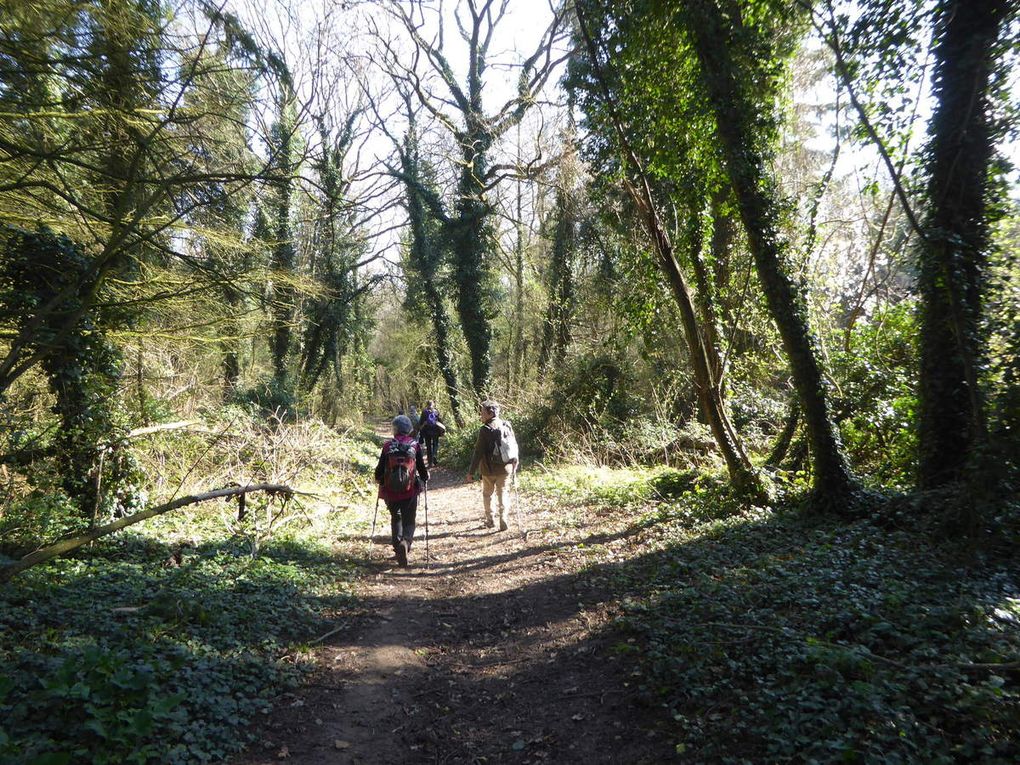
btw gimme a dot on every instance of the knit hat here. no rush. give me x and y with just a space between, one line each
402 424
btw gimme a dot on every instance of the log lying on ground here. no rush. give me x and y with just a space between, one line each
178 425
73 543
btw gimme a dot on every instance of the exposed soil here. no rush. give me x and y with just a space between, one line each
498 651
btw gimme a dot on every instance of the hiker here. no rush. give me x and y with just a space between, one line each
401 475
430 428
495 456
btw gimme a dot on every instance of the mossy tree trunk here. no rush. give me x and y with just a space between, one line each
470 229
746 154
425 257
284 256
470 240
556 332
708 385
953 258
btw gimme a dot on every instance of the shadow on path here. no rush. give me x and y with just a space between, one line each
497 651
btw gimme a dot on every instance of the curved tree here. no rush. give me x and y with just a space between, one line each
608 83
745 127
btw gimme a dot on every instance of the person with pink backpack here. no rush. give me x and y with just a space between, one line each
401 474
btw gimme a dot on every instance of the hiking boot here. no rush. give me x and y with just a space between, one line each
502 525
401 549
488 523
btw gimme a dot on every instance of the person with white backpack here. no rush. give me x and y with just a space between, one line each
496 458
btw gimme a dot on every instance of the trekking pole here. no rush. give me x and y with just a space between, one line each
427 560
515 498
371 539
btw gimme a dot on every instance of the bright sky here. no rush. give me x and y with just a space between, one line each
316 35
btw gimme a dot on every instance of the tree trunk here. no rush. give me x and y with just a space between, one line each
785 438
444 356
425 257
705 296
517 378
284 257
469 238
556 333
747 164
953 258
743 476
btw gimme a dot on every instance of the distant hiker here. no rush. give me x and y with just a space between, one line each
401 475
495 456
430 428
413 413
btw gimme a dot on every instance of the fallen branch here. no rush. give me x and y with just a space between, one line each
328 634
159 428
73 543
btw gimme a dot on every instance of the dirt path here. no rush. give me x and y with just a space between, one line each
493 654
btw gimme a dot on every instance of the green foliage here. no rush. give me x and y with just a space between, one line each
41 516
336 322
41 270
823 643
609 487
161 644
877 401
594 393
177 672
457 445
272 397
769 638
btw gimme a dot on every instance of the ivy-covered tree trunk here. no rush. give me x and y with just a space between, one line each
470 239
444 356
705 296
556 332
746 156
425 258
742 474
470 230
284 256
517 375
953 257
81 366
708 386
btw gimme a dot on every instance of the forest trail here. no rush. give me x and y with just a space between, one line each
492 654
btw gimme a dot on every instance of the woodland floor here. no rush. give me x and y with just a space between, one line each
499 650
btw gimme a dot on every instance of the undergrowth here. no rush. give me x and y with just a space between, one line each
767 636
161 643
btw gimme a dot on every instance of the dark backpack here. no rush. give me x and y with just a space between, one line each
502 445
431 418
398 474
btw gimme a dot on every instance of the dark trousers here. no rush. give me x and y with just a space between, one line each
402 515
431 441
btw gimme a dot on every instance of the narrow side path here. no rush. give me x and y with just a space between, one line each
489 655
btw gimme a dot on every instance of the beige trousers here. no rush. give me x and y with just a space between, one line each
497 484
